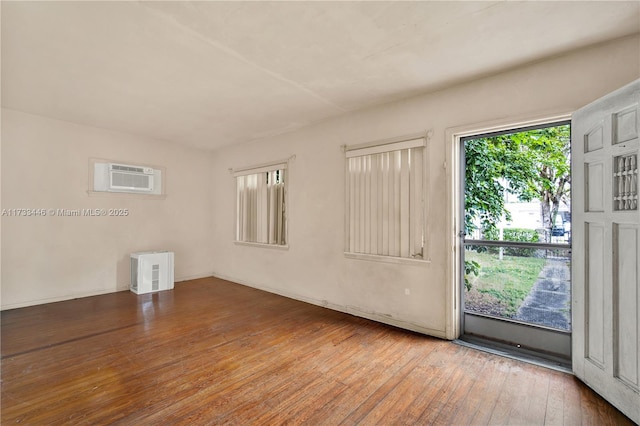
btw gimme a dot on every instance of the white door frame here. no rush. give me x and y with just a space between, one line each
453 167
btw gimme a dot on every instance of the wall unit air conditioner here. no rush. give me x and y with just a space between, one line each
119 177
123 177
151 271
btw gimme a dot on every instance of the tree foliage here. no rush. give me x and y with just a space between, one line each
532 164
549 153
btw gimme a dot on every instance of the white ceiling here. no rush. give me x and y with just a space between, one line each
209 74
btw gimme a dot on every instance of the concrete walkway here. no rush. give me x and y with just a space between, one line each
549 301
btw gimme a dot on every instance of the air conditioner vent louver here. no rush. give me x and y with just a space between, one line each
134 274
155 277
126 180
127 168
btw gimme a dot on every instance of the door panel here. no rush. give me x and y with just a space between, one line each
594 140
595 186
625 303
594 296
625 125
606 298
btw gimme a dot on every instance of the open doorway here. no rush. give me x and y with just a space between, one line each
516 262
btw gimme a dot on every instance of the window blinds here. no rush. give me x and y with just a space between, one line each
385 199
260 207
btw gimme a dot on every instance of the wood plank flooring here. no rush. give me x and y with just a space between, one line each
215 352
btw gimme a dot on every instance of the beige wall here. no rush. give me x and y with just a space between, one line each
45 164
314 268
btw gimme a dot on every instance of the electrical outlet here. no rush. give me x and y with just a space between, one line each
407 291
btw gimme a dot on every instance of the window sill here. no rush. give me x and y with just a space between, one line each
386 259
270 246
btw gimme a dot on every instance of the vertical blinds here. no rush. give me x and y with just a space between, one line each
261 207
385 200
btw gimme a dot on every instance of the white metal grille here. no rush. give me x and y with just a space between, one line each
155 277
130 180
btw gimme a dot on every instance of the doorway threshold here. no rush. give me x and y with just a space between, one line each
521 354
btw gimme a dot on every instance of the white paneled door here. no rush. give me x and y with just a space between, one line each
606 257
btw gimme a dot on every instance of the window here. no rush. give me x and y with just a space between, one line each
385 199
260 205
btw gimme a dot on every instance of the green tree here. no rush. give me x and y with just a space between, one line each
548 151
533 164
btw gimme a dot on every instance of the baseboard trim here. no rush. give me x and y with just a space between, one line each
120 287
44 301
351 310
193 277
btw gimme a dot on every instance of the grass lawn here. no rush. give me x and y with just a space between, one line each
504 283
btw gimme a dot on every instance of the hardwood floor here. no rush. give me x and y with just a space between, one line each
214 352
